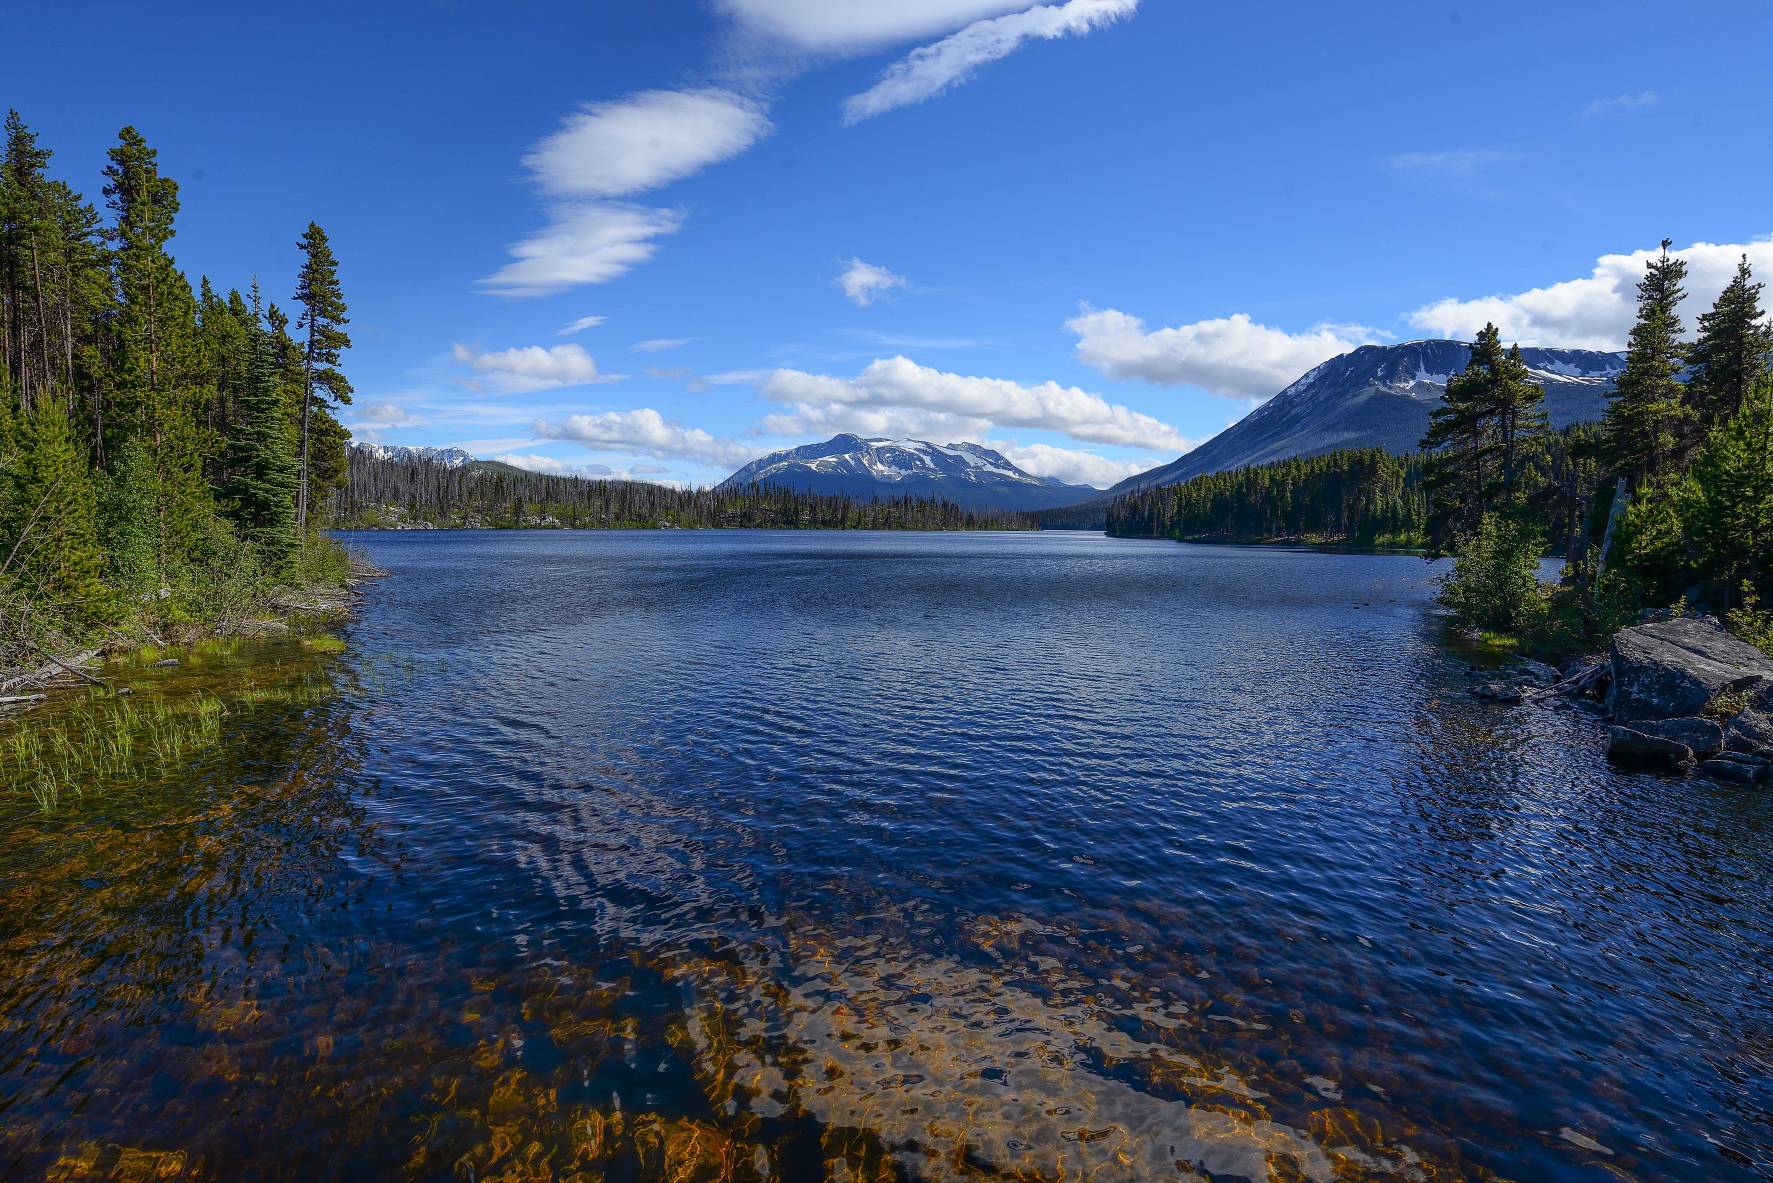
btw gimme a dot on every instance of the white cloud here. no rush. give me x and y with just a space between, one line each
864 283
644 141
1454 162
389 415
580 325
929 71
582 244
612 150
1596 311
1621 104
552 466
1072 467
662 344
847 26
829 419
646 432
899 383
519 371
1229 355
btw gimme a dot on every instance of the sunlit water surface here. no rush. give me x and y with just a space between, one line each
703 856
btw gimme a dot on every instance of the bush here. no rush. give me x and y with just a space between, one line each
1494 585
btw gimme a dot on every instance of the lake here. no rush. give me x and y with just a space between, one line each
703 855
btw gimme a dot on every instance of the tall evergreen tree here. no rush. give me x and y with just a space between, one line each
323 318
1729 510
154 331
49 542
1732 352
260 490
1649 415
1492 414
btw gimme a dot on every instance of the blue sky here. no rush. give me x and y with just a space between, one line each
1090 232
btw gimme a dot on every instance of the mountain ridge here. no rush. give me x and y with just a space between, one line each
1380 396
970 475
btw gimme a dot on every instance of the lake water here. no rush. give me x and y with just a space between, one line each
702 856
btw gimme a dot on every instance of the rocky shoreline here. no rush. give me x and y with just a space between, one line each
1683 696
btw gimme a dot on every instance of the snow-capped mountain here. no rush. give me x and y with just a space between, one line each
1381 396
448 457
966 474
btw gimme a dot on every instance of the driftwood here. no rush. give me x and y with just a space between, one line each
1577 685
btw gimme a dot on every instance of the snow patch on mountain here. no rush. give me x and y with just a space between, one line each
448 457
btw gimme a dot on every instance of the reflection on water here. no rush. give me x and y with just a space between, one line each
764 857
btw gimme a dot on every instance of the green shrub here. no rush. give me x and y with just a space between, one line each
1494 585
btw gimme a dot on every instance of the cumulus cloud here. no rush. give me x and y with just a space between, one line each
1621 104
1230 355
828 419
645 432
864 283
662 344
1597 310
1072 467
644 141
899 384
849 26
519 371
583 244
929 71
580 325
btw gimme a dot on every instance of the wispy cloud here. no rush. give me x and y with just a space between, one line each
1071 466
1450 162
580 325
615 150
663 344
929 71
1621 104
864 283
832 27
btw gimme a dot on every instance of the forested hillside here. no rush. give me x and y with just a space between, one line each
382 494
159 442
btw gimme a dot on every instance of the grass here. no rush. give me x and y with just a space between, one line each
105 738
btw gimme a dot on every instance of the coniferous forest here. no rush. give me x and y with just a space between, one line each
383 494
160 443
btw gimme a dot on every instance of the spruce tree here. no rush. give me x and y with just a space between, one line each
49 543
1492 415
323 319
1732 352
259 492
1729 512
1648 417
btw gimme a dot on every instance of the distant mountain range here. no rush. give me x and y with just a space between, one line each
971 476
1380 396
448 457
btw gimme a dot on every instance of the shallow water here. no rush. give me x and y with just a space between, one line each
800 857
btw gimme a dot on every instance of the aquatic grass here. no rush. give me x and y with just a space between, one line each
107 738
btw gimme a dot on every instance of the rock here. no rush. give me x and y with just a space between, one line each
1635 747
166 663
1703 737
1673 668
1536 672
1737 769
1751 730
1498 692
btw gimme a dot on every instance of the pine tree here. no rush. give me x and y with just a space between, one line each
260 490
1492 415
155 332
1729 514
49 542
323 318
1732 351
1648 417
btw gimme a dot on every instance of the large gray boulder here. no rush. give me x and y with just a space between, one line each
1752 728
1628 746
1674 668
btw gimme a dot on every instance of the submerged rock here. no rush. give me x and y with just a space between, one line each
1674 668
1736 768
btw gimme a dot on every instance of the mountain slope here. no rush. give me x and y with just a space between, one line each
966 474
1381 396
